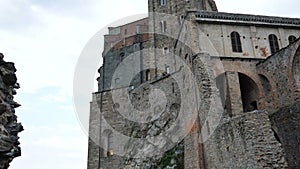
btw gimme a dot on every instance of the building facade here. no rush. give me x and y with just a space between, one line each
190 87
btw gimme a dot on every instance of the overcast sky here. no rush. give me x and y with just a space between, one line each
45 38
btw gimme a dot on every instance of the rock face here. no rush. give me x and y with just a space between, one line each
9 127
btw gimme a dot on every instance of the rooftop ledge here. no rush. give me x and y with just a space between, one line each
231 18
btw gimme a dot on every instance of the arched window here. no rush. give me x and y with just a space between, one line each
122 56
292 39
163 26
273 43
236 42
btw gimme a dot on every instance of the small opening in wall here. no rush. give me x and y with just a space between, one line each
207 34
173 87
256 47
244 37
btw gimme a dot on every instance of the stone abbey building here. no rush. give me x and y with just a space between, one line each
190 87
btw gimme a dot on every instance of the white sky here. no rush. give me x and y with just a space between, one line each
45 38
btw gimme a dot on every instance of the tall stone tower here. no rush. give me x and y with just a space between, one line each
166 21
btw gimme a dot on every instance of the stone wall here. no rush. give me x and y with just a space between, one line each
244 141
285 123
278 71
254 39
9 127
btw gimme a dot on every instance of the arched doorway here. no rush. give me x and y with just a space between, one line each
249 92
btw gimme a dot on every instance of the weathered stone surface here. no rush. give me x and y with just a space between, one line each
244 141
286 126
9 128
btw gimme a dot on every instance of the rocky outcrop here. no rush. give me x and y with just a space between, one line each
9 127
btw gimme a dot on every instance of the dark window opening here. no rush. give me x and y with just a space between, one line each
148 76
274 46
292 39
173 87
236 42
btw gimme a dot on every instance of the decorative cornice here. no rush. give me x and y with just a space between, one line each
231 18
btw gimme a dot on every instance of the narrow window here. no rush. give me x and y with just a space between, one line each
180 52
236 42
163 26
273 43
148 75
292 39
173 87
163 2
125 32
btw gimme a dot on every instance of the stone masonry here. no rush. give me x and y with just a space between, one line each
190 87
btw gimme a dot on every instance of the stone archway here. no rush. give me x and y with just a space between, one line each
249 93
